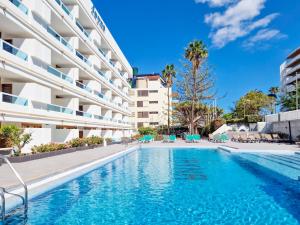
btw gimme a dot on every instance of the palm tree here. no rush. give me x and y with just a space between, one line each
168 74
196 52
273 92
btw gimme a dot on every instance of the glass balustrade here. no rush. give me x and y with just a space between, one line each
83 58
84 87
60 109
13 50
82 29
59 74
51 31
65 8
84 114
20 5
13 99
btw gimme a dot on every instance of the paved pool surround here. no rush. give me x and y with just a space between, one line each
45 174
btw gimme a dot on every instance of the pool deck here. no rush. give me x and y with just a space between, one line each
42 168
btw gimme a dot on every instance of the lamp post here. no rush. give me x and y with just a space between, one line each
297 97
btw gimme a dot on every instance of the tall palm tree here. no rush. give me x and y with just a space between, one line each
168 74
196 52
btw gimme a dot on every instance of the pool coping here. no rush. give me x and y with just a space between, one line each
41 186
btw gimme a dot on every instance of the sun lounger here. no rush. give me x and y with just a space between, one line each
166 138
189 138
235 137
196 138
172 138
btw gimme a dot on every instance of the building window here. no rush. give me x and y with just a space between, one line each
143 93
153 112
140 104
140 124
154 123
143 115
153 102
153 91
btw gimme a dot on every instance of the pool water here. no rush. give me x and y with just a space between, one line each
169 186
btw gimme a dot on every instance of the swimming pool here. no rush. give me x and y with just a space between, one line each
168 186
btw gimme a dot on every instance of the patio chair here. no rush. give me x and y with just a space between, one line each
235 137
251 138
189 138
257 137
217 138
196 138
172 138
224 137
141 139
269 138
243 138
166 138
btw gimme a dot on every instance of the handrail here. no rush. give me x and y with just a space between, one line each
25 202
2 216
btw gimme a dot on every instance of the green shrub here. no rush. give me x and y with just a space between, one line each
77 142
147 131
49 148
108 140
94 140
13 136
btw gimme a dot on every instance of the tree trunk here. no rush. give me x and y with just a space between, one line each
193 100
168 110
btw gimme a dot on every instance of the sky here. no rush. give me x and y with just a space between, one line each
247 40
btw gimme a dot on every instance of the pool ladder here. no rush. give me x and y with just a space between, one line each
2 190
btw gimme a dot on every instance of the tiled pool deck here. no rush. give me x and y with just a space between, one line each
39 169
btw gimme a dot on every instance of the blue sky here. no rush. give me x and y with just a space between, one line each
247 39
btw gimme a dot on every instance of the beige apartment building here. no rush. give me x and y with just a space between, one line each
150 100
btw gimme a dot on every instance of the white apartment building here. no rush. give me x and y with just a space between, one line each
62 75
150 105
290 72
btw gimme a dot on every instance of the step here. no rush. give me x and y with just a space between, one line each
280 159
284 168
288 157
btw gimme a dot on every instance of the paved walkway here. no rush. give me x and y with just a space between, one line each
41 168
38 169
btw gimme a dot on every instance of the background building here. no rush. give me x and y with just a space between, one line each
150 105
62 75
290 72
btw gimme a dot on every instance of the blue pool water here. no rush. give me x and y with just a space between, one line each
169 186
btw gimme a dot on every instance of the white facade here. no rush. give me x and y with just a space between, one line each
150 106
290 72
62 75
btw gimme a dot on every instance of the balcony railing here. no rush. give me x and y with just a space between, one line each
82 29
65 8
83 58
98 117
84 87
56 108
13 50
20 5
13 99
59 74
51 31
102 52
84 114
98 18
99 94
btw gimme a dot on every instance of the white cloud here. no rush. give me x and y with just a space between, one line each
263 35
236 21
215 3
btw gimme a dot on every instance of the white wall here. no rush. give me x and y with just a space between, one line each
64 135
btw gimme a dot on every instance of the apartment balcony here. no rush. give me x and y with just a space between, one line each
20 5
12 105
13 50
55 72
